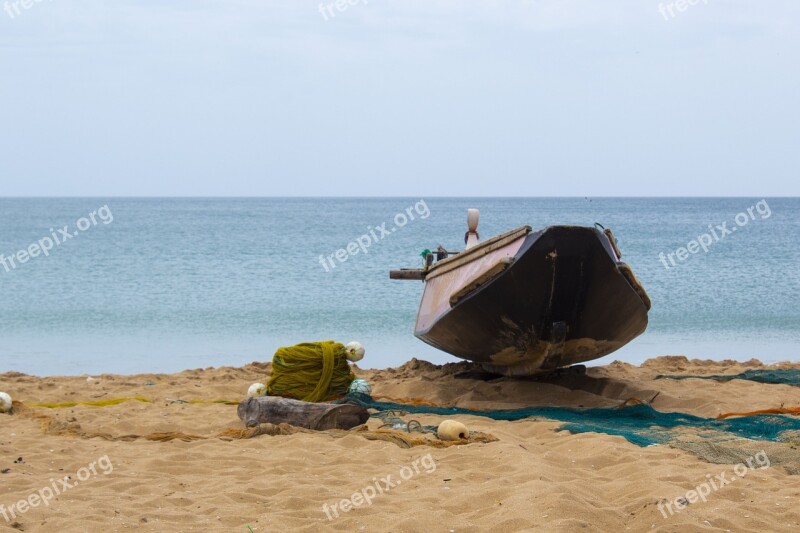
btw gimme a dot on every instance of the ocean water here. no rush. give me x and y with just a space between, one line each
160 285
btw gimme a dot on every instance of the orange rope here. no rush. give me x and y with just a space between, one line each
774 411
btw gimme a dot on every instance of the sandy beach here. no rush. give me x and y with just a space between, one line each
532 478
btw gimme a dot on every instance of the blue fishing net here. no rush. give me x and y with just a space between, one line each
789 376
639 424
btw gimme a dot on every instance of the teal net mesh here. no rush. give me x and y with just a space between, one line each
639 424
790 376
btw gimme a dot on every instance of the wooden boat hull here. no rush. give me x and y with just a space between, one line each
525 301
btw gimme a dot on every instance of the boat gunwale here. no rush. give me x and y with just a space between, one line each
498 241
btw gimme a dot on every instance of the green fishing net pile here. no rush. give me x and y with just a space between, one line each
717 441
787 376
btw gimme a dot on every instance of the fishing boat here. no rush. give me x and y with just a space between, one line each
525 302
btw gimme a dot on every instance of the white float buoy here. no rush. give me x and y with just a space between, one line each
361 386
257 389
472 238
355 351
452 430
5 402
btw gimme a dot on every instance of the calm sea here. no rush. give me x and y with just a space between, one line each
160 285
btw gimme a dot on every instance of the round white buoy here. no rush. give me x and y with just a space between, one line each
257 389
452 430
355 351
472 238
5 402
361 386
473 215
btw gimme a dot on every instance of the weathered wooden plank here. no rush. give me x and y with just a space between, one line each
408 273
317 416
482 279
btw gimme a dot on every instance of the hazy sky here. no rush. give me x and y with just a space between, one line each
399 97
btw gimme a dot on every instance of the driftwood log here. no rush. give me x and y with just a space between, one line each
317 416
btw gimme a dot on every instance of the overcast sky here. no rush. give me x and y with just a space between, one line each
399 97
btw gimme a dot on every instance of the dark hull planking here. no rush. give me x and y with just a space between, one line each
542 300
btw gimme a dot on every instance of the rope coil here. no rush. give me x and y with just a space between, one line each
311 372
